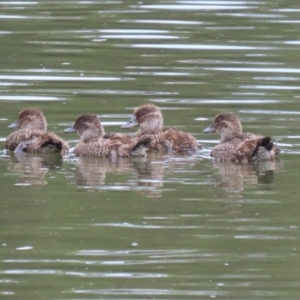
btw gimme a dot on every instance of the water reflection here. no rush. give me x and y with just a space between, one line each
231 179
146 176
150 174
91 173
32 169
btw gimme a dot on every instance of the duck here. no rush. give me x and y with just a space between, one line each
150 121
32 137
95 143
236 146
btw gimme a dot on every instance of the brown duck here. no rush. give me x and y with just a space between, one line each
150 121
95 143
237 146
32 135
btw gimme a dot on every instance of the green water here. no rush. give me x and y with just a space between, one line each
160 227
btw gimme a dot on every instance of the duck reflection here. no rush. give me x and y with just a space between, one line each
32 168
232 178
91 172
150 175
145 176
159 170
100 174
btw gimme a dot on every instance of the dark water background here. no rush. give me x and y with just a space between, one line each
161 227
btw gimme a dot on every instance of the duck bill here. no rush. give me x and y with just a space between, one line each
14 125
209 129
70 129
131 123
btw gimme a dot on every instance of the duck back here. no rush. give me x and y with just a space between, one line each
119 146
181 141
36 141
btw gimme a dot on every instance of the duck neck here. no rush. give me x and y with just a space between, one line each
153 124
90 134
227 135
35 124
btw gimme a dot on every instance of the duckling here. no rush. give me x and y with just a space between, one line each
95 143
237 146
150 121
32 135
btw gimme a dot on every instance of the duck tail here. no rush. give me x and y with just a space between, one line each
140 146
266 143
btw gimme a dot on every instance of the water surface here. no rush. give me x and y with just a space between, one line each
180 227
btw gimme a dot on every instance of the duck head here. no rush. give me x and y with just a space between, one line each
30 118
147 117
87 126
226 124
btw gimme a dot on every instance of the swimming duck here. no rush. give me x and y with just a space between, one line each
150 121
95 143
237 146
32 135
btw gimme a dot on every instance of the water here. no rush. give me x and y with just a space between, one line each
179 227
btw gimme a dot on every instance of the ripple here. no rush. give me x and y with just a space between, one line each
32 272
151 292
196 47
230 27
161 73
30 98
135 31
214 2
13 84
269 70
99 252
262 228
140 36
292 42
171 22
251 15
286 9
276 78
270 87
86 274
109 92
58 78
263 237
116 275
122 188
112 123
7 293
128 225
20 17
227 62
25 248
214 101
270 112
193 7
12 17
285 21
18 3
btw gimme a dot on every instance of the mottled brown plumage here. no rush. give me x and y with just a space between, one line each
95 143
237 146
150 121
32 137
